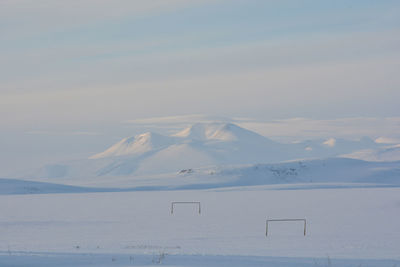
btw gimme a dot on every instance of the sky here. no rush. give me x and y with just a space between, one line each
81 69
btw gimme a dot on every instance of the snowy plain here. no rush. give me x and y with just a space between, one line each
347 227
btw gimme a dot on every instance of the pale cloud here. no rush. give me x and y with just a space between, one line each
305 72
292 130
300 129
331 142
178 120
387 140
100 64
356 86
37 132
29 18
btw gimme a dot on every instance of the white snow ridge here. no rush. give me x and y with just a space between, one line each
136 145
227 132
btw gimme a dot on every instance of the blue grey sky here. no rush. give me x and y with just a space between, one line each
81 66
78 61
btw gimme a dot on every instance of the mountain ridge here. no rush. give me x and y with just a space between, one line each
199 145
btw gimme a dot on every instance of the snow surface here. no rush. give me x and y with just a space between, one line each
345 227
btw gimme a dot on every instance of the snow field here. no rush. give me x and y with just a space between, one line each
342 223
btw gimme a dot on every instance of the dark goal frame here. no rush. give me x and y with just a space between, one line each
173 204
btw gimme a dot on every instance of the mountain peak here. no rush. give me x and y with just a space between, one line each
135 145
214 131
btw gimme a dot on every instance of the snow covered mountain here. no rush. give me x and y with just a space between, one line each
199 145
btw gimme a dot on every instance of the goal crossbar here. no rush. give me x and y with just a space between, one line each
286 220
185 202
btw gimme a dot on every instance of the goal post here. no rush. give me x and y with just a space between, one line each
286 220
173 204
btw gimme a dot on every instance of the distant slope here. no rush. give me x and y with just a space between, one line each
14 186
331 147
309 173
323 173
333 170
389 153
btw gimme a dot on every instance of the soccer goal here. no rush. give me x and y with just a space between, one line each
173 204
286 220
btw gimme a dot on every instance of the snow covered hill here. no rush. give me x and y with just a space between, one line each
333 170
388 153
319 173
331 147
